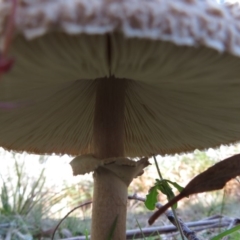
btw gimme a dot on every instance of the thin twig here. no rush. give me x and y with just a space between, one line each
208 223
233 223
188 233
82 205
7 225
155 231
178 224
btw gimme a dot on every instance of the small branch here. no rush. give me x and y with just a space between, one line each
188 233
215 221
7 225
55 229
176 220
154 231
233 223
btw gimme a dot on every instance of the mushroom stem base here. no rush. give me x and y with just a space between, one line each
109 206
112 176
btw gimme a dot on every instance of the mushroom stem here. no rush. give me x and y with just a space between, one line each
110 192
108 128
109 206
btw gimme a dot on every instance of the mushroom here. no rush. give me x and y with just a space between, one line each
108 81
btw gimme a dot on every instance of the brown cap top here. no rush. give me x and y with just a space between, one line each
183 22
181 57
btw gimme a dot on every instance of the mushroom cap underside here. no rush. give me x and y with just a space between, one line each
180 58
178 98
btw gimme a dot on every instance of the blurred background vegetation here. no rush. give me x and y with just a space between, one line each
37 191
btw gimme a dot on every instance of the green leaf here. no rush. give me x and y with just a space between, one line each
143 237
165 188
86 234
6 207
176 185
227 232
151 198
113 227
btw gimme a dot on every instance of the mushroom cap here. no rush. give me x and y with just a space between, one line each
181 58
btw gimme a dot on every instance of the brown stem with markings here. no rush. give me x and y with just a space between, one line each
110 192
